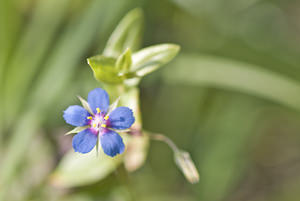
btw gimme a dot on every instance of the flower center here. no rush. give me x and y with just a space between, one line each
98 121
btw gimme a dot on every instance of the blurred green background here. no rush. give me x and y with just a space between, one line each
231 97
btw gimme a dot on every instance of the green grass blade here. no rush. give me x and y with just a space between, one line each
51 83
9 25
224 145
32 48
232 75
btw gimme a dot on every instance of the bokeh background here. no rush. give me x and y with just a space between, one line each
231 97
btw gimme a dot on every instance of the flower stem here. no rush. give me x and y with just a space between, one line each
165 139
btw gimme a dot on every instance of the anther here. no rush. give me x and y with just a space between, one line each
106 117
91 118
98 110
103 125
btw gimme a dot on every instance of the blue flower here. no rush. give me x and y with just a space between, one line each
97 120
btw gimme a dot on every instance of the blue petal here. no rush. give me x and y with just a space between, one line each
112 143
76 115
98 98
84 141
121 118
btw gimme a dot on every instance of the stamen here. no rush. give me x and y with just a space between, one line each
106 117
98 110
103 125
94 125
91 118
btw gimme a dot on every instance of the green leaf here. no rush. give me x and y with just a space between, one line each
41 22
126 35
238 76
81 169
104 69
58 64
151 58
225 156
124 61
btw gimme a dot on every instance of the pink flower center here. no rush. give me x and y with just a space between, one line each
98 122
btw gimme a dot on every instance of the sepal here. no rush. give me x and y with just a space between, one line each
85 105
77 130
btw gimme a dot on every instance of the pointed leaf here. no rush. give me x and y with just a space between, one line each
124 61
104 69
212 71
81 169
149 59
126 35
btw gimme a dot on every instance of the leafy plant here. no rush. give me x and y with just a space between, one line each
120 71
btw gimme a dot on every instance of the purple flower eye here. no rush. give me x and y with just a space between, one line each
100 124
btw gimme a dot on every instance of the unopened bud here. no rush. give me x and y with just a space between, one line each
187 166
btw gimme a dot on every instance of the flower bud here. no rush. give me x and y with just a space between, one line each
187 166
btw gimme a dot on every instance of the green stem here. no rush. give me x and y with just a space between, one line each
21 138
163 138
